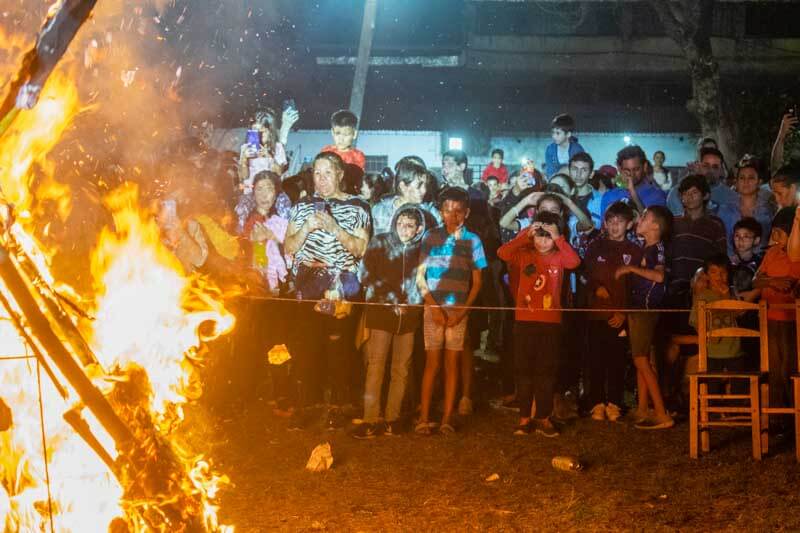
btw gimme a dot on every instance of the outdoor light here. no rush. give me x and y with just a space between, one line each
455 143
627 139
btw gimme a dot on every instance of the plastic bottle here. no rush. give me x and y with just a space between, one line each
565 462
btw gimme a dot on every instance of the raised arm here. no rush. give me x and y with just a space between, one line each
788 123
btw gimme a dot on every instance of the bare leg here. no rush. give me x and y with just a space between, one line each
641 385
644 370
432 362
451 360
467 368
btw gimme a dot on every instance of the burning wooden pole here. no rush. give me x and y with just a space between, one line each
42 331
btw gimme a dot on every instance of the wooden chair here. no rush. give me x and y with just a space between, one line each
745 406
794 408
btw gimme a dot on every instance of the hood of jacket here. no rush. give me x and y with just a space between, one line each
407 209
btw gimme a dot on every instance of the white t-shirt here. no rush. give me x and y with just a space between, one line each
563 155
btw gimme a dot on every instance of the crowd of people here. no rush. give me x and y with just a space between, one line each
565 273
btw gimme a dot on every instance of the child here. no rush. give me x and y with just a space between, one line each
451 256
604 291
269 155
564 145
266 231
711 285
497 168
646 290
746 257
777 278
344 130
539 255
389 275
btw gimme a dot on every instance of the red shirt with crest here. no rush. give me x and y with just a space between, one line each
538 292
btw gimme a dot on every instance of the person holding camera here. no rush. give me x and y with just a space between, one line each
540 257
327 236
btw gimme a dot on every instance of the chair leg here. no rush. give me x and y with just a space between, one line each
755 418
796 404
693 453
764 418
705 441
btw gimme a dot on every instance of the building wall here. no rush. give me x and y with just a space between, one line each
305 144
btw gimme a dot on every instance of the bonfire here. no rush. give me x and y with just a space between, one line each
96 388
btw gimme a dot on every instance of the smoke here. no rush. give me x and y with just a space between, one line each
148 73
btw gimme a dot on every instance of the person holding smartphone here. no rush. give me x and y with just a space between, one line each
263 150
327 236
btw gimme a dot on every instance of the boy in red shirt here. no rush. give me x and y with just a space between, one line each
496 168
539 255
777 278
344 129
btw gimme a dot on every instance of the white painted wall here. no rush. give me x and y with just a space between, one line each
307 143
679 147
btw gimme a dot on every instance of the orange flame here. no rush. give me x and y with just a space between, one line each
148 312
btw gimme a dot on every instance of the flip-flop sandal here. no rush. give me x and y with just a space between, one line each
423 428
446 429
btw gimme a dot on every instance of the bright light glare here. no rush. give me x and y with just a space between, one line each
627 139
455 143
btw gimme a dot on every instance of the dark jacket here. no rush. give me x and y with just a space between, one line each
388 275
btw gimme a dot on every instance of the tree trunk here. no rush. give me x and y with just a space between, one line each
706 101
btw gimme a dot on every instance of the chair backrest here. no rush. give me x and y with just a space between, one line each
705 332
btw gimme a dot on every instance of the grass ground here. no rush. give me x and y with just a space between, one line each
634 480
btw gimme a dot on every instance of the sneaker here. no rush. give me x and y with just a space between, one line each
656 423
599 412
367 431
465 406
548 430
612 412
335 420
391 429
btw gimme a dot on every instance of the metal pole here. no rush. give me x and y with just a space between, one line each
362 63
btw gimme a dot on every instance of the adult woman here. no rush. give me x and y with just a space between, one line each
327 235
754 201
661 175
410 186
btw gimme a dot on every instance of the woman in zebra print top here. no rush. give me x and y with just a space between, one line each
329 230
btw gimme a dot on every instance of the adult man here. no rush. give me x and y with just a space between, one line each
712 166
631 165
581 167
454 169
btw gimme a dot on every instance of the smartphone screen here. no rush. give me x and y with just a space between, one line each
253 138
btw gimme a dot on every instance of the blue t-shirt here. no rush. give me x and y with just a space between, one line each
650 195
646 294
449 262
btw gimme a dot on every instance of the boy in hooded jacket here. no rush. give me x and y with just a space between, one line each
389 272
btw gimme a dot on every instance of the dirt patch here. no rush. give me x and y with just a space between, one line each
633 480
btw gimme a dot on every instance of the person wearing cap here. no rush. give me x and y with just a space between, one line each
777 278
